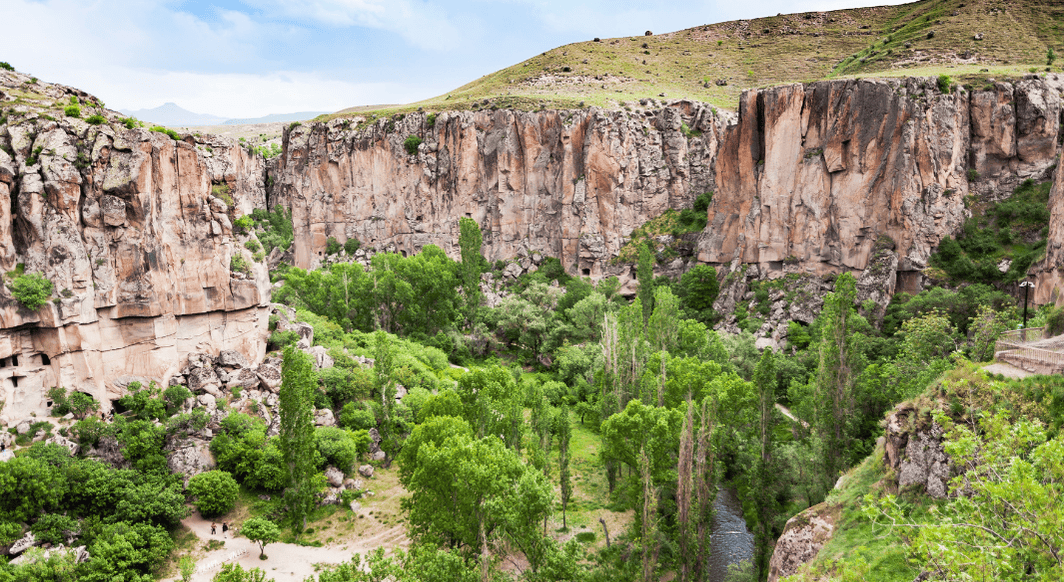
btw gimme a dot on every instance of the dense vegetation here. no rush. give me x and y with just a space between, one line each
502 404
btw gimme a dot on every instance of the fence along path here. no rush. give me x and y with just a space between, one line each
208 566
1031 350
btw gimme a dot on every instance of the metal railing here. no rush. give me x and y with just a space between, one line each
1014 347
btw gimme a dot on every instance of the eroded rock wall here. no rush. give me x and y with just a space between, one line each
569 184
123 222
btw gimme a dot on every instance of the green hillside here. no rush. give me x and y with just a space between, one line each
930 37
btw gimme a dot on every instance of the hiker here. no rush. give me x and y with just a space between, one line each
213 525
225 528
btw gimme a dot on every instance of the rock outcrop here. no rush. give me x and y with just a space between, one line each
124 224
802 538
567 184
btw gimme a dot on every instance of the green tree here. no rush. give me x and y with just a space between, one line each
187 566
645 276
565 432
765 479
469 240
698 289
215 492
835 376
261 531
298 385
235 573
32 290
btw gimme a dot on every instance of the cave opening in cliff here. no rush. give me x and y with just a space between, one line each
45 360
14 360
14 381
586 272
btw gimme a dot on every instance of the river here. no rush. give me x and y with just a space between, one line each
732 542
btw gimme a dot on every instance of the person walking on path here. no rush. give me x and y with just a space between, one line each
213 525
225 528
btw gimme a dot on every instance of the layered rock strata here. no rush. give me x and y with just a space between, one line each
122 221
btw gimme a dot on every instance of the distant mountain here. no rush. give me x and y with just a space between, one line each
277 117
172 115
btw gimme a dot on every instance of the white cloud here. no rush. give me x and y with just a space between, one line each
420 23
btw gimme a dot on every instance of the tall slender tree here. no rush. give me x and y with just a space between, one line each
765 480
704 485
470 240
565 432
685 493
835 376
298 383
645 275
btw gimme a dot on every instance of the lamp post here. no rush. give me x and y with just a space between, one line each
1026 289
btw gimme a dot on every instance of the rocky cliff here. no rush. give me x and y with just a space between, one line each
569 184
807 178
123 222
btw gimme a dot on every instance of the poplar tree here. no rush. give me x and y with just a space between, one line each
765 481
835 376
645 275
565 432
296 438
469 240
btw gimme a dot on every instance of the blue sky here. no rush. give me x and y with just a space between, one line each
244 59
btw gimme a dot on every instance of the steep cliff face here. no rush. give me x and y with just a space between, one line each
569 184
122 221
808 176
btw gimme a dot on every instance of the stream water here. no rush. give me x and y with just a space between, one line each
732 543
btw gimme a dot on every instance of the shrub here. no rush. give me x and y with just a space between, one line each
973 175
243 225
1050 57
160 129
253 245
32 159
411 144
280 339
352 245
1055 321
215 492
333 246
6 66
355 417
129 122
430 120
945 84
32 290
78 403
95 119
238 264
72 111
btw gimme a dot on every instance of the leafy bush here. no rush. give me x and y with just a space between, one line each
34 155
354 416
243 225
340 448
277 230
72 111
945 83
53 528
238 264
411 144
129 122
160 129
95 119
430 120
333 246
253 245
1055 321
280 339
352 245
77 403
32 290
6 66
215 492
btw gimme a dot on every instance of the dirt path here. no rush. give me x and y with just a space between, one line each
787 412
286 562
1007 370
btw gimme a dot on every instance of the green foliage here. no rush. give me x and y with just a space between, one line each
72 111
356 417
472 265
1055 321
164 130
236 573
1013 230
6 66
945 84
351 245
261 531
252 245
333 246
296 440
411 144
698 289
77 403
215 492
238 264
282 339
32 290
243 225
268 151
129 122
645 276
275 228
1051 57
340 448
95 119
430 120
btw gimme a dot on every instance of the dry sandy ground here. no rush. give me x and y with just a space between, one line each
286 562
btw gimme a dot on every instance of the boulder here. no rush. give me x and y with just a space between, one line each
379 455
24 543
324 417
232 359
23 427
334 476
66 443
355 507
189 456
353 484
321 357
802 538
270 376
204 380
366 471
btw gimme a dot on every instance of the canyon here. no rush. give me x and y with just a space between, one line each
135 228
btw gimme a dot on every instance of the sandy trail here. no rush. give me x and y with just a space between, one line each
286 562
